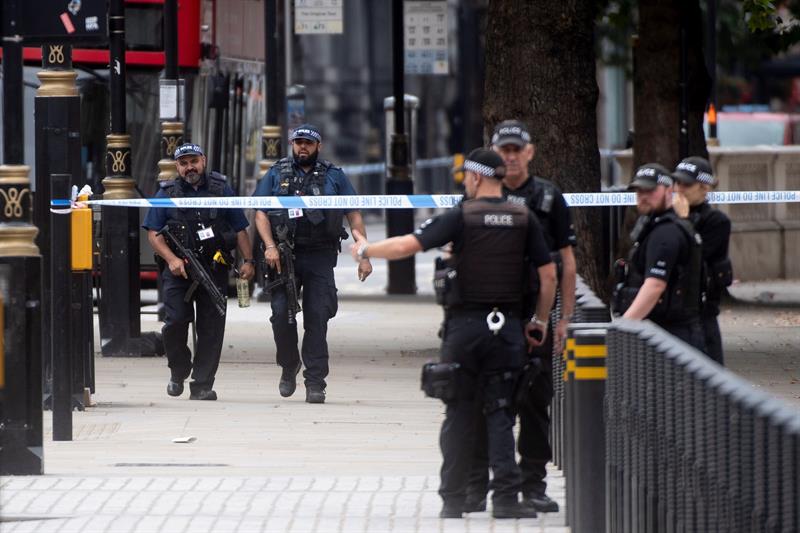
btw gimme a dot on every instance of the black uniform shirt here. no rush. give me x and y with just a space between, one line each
663 247
448 227
715 229
560 229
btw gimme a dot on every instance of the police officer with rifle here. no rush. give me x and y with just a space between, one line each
497 248
301 248
186 241
694 180
661 278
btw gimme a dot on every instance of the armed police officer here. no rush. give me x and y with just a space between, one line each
306 241
194 246
694 180
512 140
495 245
661 279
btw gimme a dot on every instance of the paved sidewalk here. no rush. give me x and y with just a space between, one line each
366 461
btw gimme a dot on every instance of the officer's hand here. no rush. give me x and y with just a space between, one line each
681 205
178 267
364 269
358 241
561 334
247 271
535 334
273 258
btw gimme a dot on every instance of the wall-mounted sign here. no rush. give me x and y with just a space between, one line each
318 16
426 37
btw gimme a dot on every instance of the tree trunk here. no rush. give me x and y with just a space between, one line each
656 81
540 68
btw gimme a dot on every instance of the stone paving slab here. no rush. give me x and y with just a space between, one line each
281 504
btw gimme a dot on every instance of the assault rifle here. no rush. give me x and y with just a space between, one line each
286 277
197 273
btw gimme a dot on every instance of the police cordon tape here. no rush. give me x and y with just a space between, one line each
414 201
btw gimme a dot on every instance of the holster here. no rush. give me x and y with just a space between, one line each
721 273
440 380
498 391
525 387
445 283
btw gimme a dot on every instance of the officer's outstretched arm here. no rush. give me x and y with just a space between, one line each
646 299
392 248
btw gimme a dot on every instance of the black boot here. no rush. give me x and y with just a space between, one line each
475 503
541 502
512 509
288 382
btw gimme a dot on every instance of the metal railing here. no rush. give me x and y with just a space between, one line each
692 446
653 436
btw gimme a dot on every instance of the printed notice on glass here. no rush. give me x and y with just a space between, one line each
318 16
426 37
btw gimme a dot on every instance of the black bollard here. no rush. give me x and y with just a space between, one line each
60 318
588 388
21 431
58 151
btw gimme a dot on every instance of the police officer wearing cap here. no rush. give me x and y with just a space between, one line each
661 279
205 232
512 140
694 180
495 245
316 235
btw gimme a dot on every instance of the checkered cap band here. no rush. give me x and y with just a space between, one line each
705 177
303 132
664 180
480 168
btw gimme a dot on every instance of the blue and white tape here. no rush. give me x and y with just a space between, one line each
415 201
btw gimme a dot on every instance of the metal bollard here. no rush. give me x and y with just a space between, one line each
60 335
588 388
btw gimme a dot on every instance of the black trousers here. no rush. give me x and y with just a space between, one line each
209 324
713 337
314 274
690 332
490 364
533 443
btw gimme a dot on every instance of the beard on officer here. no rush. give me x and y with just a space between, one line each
204 232
661 279
487 330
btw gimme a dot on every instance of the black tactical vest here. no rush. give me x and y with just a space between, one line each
186 222
717 271
538 195
490 255
681 300
317 228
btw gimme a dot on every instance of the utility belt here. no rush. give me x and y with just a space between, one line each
450 382
478 309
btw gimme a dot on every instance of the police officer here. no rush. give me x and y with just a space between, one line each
495 243
205 232
694 179
512 140
661 280
316 236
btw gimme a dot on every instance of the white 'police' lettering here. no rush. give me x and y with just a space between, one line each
498 220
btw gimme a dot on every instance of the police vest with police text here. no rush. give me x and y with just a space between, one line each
537 194
490 255
317 228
